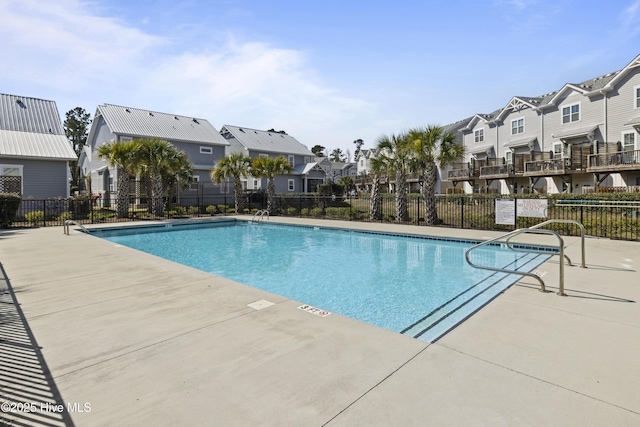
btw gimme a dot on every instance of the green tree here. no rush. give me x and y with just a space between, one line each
235 166
359 143
318 150
163 164
76 128
432 147
337 155
396 152
125 157
270 167
347 183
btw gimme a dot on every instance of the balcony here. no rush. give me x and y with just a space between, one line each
613 162
548 167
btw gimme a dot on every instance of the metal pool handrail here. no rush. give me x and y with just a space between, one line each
70 221
565 221
260 215
523 273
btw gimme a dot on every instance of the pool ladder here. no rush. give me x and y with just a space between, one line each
536 229
69 222
259 216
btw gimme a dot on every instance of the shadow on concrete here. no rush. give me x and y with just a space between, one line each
28 394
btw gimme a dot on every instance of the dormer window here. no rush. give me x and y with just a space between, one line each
636 94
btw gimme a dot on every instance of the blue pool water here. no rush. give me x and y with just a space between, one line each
414 285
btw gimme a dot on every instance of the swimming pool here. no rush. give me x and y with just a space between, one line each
414 285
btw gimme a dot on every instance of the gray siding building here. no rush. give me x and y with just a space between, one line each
34 148
306 174
196 137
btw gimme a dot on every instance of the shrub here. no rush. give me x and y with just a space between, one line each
291 211
222 208
193 210
305 212
211 210
316 212
65 216
9 204
35 217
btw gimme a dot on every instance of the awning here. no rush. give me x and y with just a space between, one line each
586 132
522 143
633 122
483 149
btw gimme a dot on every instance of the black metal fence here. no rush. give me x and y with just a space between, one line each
616 219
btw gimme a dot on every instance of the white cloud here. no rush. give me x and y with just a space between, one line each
79 57
631 18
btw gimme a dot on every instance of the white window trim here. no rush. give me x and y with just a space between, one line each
561 145
635 139
579 104
206 150
508 157
636 97
307 159
125 138
291 184
524 129
292 160
478 136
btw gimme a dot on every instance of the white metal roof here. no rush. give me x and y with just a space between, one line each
31 127
31 144
151 124
267 142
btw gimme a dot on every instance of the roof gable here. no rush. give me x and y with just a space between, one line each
151 124
266 141
518 103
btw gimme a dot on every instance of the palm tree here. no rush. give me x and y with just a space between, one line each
432 147
347 183
162 163
270 167
123 155
395 151
375 204
236 166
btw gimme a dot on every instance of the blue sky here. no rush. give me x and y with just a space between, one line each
327 72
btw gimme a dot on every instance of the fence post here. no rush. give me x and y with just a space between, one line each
462 211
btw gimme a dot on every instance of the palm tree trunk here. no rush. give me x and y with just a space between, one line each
271 193
122 210
157 191
428 193
237 192
375 204
402 212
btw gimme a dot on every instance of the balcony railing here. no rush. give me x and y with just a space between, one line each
495 171
459 173
621 160
547 167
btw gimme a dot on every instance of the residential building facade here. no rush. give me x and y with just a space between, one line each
306 175
575 139
196 137
34 151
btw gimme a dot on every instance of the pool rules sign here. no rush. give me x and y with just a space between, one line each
508 209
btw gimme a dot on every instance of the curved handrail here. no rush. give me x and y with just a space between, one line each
568 221
260 215
71 221
523 273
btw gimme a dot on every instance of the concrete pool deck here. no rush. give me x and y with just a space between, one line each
120 337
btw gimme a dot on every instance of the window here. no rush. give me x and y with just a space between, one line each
571 113
255 184
307 160
206 150
636 97
10 185
292 160
479 135
264 156
517 126
193 185
558 150
629 141
125 138
509 157
244 184
112 184
291 184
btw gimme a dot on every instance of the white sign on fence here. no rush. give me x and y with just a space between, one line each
506 211
536 208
